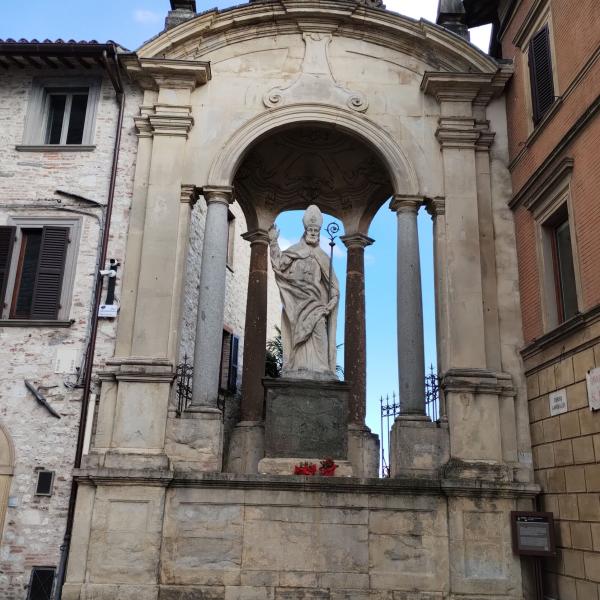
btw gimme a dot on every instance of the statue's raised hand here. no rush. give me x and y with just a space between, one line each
273 234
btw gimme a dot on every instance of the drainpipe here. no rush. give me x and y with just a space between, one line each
110 62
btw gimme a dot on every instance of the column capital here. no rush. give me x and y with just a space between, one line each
221 194
356 240
257 236
189 194
406 204
436 206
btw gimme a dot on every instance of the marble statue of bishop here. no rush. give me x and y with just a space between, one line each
310 302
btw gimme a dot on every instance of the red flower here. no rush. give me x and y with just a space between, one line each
327 468
305 468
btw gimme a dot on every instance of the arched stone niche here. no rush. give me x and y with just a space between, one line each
7 460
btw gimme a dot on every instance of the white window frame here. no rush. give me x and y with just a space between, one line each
66 292
36 121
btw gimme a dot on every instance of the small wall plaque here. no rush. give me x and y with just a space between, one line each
558 402
593 388
108 311
533 533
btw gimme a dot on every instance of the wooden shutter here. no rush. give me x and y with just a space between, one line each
233 363
7 242
540 73
50 273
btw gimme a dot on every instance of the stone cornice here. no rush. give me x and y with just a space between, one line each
156 73
406 204
543 182
356 240
477 381
407 485
466 87
214 29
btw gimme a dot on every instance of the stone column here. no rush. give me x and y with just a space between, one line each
255 332
211 299
418 446
363 446
355 333
411 353
436 207
247 444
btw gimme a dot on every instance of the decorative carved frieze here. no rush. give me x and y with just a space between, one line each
315 82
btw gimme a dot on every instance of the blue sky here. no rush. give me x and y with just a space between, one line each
130 23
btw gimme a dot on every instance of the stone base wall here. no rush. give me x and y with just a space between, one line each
285 538
566 455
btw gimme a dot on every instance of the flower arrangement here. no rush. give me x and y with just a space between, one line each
327 468
305 468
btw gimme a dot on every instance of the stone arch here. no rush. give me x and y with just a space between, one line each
401 170
7 461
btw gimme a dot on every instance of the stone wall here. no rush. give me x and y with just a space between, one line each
269 538
34 526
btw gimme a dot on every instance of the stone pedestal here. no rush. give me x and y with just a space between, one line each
246 448
306 419
285 466
363 451
418 447
195 440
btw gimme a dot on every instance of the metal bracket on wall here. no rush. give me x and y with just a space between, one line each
40 398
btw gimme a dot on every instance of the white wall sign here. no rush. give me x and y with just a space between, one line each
558 402
593 388
67 360
109 311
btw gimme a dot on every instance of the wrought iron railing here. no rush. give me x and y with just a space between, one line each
183 386
390 409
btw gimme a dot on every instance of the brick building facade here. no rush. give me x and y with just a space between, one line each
554 131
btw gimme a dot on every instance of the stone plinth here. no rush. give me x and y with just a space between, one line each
285 466
306 418
418 447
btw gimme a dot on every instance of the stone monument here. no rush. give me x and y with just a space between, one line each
307 408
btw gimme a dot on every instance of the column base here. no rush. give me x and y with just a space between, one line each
363 451
195 440
246 448
418 446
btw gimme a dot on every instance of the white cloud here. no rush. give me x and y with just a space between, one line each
141 15
284 243
337 253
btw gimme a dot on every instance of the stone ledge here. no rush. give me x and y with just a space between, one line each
343 485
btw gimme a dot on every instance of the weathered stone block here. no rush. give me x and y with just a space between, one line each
168 592
306 418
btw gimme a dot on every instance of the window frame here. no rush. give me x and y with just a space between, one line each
37 483
523 40
36 120
41 568
547 215
66 292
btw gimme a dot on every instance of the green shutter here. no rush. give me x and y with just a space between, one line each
50 273
7 242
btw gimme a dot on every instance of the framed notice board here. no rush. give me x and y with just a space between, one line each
533 533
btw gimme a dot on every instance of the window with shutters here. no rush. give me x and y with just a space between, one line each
41 583
37 260
61 112
541 76
229 362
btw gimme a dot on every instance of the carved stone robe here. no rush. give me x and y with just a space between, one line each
308 334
